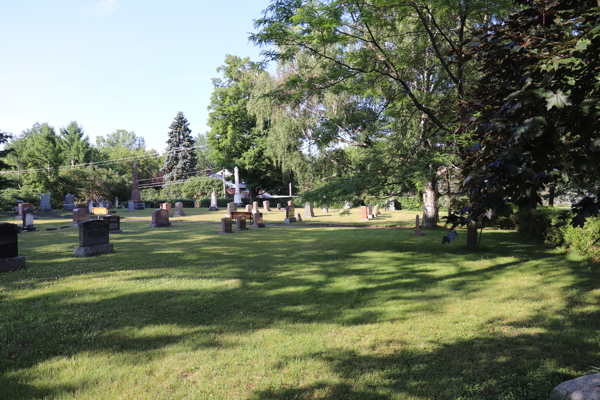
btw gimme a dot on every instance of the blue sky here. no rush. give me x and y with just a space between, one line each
117 64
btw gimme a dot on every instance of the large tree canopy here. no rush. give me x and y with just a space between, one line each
535 114
234 136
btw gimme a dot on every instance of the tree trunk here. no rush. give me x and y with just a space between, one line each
472 235
551 196
429 205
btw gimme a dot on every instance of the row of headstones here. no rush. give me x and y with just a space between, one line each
93 239
46 203
369 212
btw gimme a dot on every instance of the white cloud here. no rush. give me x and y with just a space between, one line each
107 6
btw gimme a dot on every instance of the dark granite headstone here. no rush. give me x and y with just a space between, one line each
80 215
114 223
160 219
9 248
45 203
226 225
93 238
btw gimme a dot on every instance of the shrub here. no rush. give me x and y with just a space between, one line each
539 224
584 241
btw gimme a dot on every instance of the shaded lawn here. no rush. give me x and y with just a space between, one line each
282 313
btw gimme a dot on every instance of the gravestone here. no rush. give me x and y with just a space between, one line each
376 210
90 205
418 226
168 207
290 203
28 221
130 206
69 202
114 223
364 213
231 207
80 215
226 225
390 204
298 217
266 206
9 248
117 204
179 209
248 208
100 203
278 206
240 223
255 206
100 211
213 202
308 210
326 209
160 219
237 197
93 239
45 203
347 205
257 220
22 207
370 211
289 215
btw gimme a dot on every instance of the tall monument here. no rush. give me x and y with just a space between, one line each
237 197
136 197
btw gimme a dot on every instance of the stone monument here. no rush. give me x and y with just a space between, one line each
390 204
179 209
289 215
231 208
418 226
167 206
255 206
237 197
117 204
376 211
248 208
347 205
226 225
240 223
298 217
93 239
45 203
23 206
326 209
80 215
266 207
90 205
257 220
278 206
213 202
114 223
136 197
28 221
69 202
308 210
160 219
130 206
9 248
364 213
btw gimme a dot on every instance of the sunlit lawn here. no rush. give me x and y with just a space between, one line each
283 313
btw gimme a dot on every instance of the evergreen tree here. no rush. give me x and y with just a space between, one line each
180 159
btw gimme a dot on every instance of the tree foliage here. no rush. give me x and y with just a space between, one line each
535 114
121 138
180 158
234 136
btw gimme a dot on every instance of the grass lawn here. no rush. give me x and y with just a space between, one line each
286 313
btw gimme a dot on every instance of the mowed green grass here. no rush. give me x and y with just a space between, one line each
293 313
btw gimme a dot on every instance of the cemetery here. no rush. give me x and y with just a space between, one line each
394 201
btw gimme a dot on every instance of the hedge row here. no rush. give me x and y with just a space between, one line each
551 225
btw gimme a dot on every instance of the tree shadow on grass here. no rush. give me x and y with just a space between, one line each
272 277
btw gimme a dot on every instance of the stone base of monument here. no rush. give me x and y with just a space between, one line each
28 229
289 220
256 225
585 387
69 207
180 213
11 264
93 250
164 225
213 208
417 232
119 231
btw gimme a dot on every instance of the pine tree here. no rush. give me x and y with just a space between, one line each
180 159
